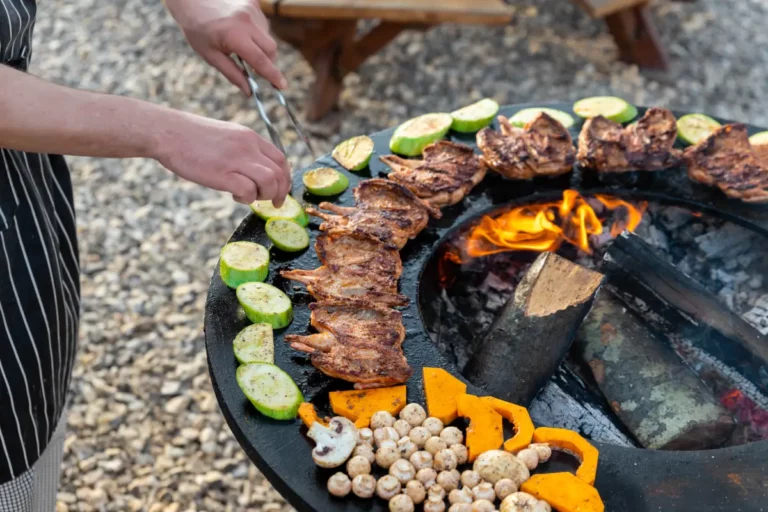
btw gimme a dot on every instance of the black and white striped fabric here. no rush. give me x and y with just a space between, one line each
39 280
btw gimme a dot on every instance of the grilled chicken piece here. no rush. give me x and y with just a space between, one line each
607 146
356 266
727 160
542 148
357 342
443 177
385 209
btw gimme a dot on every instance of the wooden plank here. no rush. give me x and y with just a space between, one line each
487 12
268 7
603 8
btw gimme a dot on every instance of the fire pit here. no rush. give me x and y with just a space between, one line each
458 279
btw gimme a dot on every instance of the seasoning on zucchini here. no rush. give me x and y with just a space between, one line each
287 235
474 117
242 262
255 344
694 128
291 209
263 303
325 181
523 117
271 391
355 153
411 137
611 107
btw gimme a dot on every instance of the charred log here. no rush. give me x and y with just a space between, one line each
682 307
534 331
658 398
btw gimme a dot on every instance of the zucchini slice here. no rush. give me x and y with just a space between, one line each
474 117
325 181
287 235
242 262
271 391
694 128
759 139
411 137
611 107
255 344
291 209
355 153
263 303
526 115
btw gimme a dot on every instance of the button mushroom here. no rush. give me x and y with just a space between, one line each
434 505
460 507
364 450
521 502
484 491
403 427
387 455
419 436
451 436
434 444
483 506
494 465
387 487
401 503
427 476
334 443
381 419
365 435
436 492
364 486
407 447
434 425
414 414
385 434
470 478
461 496
444 460
339 485
448 480
416 491
461 452
529 457
542 450
358 465
403 471
504 488
421 460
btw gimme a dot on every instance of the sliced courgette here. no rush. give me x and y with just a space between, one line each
759 139
255 344
325 181
287 235
291 209
694 128
243 262
474 117
526 115
263 303
611 107
411 137
271 391
355 153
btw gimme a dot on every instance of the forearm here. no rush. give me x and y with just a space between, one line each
41 117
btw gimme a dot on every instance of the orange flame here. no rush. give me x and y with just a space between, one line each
545 226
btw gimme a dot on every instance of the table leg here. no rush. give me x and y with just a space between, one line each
636 38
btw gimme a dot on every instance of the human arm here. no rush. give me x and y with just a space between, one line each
41 117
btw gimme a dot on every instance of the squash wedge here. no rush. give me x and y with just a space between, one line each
359 406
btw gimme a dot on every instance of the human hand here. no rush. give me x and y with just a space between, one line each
218 29
223 156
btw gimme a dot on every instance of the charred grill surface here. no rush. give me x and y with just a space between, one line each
607 146
543 148
726 160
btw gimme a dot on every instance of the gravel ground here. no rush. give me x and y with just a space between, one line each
145 432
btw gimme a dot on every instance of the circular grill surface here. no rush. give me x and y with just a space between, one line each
628 479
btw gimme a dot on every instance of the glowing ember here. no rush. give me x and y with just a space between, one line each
545 226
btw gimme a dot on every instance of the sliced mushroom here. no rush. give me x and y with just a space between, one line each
334 443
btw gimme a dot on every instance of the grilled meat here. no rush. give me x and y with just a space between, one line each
356 266
357 342
543 148
385 209
646 145
443 177
727 160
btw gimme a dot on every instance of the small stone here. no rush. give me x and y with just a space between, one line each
177 404
112 466
170 387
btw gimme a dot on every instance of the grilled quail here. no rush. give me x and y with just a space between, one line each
385 209
542 148
727 160
357 342
356 266
607 146
443 177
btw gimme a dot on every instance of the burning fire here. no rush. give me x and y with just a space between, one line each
545 226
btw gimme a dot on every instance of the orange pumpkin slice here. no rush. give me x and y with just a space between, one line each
441 389
572 442
519 418
308 415
485 430
359 406
564 492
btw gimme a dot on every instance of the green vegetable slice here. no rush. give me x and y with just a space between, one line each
411 137
325 181
255 344
355 153
474 117
291 209
242 262
271 391
694 128
759 139
526 115
287 235
263 303
611 107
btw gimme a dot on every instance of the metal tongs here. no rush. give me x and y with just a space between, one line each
255 90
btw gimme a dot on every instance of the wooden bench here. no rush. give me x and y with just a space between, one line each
325 32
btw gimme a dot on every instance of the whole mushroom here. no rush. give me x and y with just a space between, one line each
387 455
484 491
529 457
339 485
470 478
434 444
414 414
364 450
364 486
436 492
461 496
494 465
365 435
434 505
460 507
416 491
381 419
444 460
421 460
483 506
451 436
358 465
434 425
461 452
403 471
520 502
401 503
504 488
407 447
542 450
403 428
334 443
419 436
387 487
427 476
382 434
448 480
